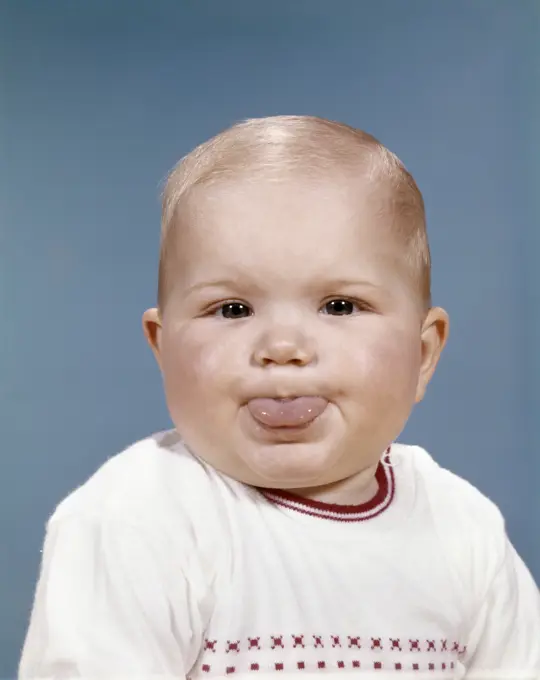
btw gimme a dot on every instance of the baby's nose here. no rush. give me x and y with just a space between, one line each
283 346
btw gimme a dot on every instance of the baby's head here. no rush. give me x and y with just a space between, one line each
294 327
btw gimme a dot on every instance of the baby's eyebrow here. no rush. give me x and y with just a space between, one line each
344 282
229 284
323 285
218 283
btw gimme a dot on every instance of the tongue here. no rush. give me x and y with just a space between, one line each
287 412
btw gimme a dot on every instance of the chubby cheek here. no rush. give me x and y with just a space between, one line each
383 370
195 371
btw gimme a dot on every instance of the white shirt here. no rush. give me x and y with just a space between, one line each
161 567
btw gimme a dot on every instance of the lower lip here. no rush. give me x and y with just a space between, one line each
286 428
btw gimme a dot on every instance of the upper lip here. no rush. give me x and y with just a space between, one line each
281 394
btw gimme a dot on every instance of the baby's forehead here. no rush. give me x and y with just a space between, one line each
292 212
294 221
306 191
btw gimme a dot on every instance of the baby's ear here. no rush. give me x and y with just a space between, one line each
152 330
434 336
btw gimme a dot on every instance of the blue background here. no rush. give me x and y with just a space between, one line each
99 99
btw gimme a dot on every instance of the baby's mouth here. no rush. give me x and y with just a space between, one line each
282 413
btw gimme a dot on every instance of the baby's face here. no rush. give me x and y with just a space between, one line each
291 343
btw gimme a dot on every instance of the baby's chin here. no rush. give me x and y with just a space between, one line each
288 465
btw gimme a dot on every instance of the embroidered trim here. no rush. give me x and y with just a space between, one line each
342 513
341 665
301 641
395 654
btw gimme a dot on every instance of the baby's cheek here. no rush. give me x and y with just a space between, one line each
385 365
399 363
194 363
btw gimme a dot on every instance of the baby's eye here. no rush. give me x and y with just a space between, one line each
339 307
234 310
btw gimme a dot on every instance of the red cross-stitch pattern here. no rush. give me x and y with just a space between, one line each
210 645
277 641
376 643
254 642
394 646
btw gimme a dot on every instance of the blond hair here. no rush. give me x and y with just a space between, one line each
275 146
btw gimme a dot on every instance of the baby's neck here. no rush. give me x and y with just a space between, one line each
355 490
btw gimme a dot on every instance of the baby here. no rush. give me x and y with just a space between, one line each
279 528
